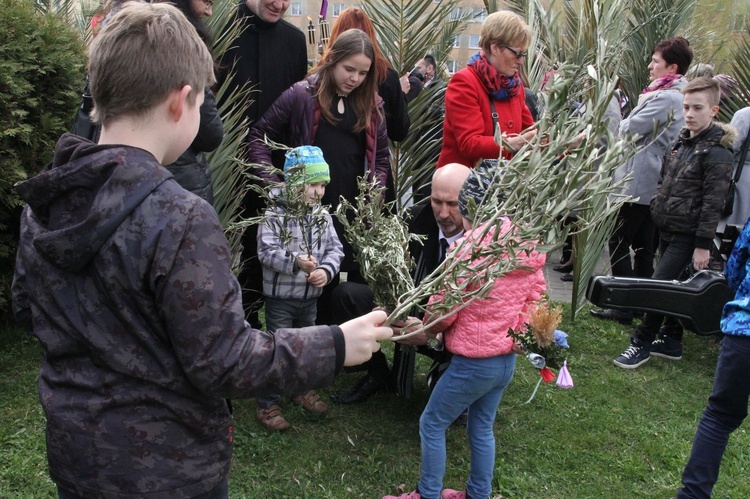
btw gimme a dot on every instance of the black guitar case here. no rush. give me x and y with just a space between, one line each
697 302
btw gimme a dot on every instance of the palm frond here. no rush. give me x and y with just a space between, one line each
77 13
741 71
407 30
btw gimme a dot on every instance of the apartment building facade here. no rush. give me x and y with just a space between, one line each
305 15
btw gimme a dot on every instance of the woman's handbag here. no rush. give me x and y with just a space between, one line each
729 201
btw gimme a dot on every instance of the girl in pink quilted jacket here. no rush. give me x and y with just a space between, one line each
484 358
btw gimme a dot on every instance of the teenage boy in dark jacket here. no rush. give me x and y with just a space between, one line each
125 279
694 180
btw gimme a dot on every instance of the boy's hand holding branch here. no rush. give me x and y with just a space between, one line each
362 335
306 263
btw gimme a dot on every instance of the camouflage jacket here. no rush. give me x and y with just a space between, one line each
126 279
694 183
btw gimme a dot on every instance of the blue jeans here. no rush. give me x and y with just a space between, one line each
479 385
221 491
726 410
283 313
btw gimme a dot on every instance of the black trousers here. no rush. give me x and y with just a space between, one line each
675 256
635 229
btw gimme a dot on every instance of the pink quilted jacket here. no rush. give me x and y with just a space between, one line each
481 328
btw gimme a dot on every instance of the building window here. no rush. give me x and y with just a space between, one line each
452 66
473 41
479 14
457 41
295 9
338 8
456 13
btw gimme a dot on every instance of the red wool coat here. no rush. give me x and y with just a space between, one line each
468 128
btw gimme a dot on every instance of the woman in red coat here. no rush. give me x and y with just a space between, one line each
490 79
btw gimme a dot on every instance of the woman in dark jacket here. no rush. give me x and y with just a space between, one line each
191 170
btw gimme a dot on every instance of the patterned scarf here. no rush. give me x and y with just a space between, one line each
499 86
662 83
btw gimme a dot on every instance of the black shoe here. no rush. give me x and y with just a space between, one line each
634 356
568 267
610 314
568 277
666 348
363 390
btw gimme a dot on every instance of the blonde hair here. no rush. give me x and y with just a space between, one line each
704 84
145 52
506 29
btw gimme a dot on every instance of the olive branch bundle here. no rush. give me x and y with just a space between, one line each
564 169
380 240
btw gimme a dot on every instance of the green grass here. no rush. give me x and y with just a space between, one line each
617 433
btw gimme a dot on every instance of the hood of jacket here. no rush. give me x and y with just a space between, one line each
77 202
722 134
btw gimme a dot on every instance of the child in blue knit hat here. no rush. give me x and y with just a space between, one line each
300 253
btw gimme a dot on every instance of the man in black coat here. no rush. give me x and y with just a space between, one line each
269 55
441 224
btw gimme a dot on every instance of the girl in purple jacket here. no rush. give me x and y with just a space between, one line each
337 109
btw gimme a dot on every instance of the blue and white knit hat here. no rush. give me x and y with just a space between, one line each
311 158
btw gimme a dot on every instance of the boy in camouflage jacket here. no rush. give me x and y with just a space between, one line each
694 181
125 279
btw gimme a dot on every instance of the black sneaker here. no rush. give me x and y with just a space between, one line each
667 348
633 357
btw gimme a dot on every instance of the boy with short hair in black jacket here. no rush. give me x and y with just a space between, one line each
694 180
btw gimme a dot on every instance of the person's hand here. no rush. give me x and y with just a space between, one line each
306 263
700 258
408 326
516 141
318 278
362 335
405 85
577 141
518 348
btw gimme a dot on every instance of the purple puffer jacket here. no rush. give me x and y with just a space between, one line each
293 121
